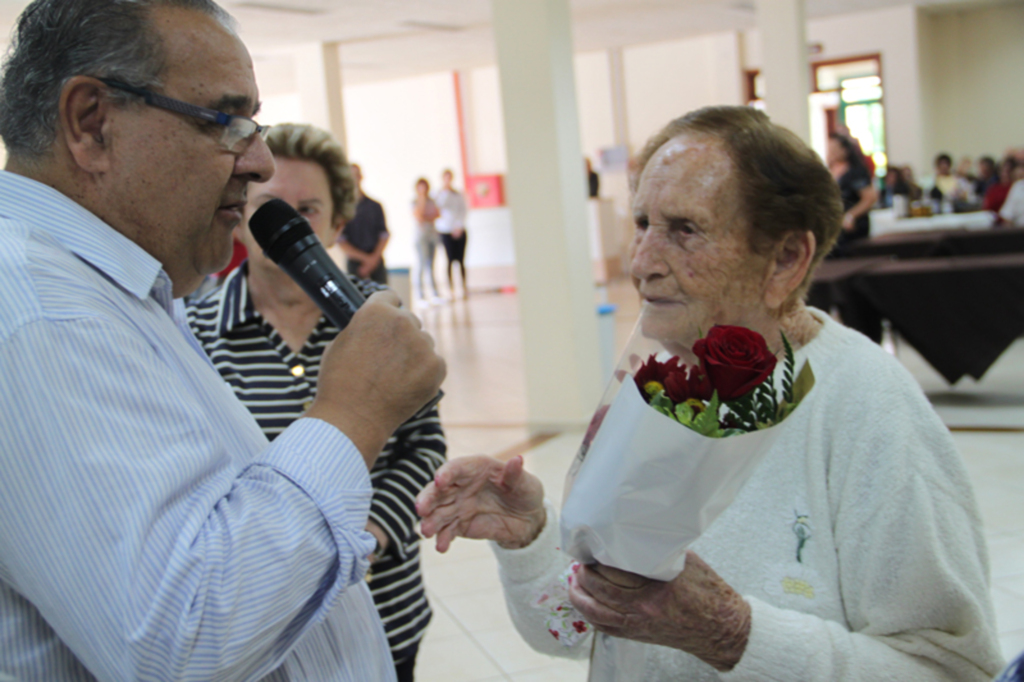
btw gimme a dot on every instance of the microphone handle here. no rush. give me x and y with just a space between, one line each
312 268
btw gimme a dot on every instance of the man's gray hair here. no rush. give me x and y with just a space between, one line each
56 40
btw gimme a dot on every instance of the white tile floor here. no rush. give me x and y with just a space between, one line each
471 638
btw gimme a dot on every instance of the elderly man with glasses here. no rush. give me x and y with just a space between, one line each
148 531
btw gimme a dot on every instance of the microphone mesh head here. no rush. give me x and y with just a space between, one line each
275 226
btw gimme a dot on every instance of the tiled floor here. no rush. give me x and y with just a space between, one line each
471 638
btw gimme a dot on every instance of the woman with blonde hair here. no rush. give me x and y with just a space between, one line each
266 337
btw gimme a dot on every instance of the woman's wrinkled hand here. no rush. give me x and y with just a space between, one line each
696 612
481 498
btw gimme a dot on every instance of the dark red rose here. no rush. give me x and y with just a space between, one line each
687 382
735 360
656 371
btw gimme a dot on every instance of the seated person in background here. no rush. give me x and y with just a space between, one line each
266 337
995 197
907 173
892 185
988 175
945 181
894 576
1012 210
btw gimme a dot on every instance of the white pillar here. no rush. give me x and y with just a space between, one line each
318 78
617 76
785 65
547 201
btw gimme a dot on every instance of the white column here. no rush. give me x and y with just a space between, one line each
617 76
547 201
318 79
785 65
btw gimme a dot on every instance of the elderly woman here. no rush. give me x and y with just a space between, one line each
855 551
266 337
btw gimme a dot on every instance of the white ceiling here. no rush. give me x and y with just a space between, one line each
384 39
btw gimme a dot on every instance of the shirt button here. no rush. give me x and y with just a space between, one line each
298 371
308 404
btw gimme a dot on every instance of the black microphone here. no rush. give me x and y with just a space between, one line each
288 240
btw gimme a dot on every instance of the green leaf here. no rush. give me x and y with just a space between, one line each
787 372
684 414
803 384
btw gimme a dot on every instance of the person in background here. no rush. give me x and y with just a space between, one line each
944 185
907 173
593 180
451 225
365 236
267 337
995 197
892 185
856 188
1012 210
425 212
149 530
988 175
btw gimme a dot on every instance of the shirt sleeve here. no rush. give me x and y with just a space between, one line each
410 459
527 572
153 545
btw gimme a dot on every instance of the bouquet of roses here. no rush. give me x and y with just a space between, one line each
730 392
671 445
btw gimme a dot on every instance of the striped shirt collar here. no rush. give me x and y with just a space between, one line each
83 234
234 305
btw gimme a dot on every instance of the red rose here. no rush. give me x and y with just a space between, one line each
686 383
735 359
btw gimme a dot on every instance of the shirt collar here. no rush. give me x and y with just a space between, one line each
235 306
81 232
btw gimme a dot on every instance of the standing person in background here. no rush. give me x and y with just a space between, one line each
266 337
846 163
424 210
365 236
593 180
451 225
1012 210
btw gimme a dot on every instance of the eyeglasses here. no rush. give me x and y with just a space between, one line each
238 130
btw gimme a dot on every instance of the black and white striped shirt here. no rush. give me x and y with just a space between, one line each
278 385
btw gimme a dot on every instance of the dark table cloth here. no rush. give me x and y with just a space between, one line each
935 243
960 313
834 286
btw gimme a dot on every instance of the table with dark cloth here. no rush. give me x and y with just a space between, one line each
959 312
948 242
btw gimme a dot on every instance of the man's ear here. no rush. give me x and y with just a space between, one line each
84 123
789 267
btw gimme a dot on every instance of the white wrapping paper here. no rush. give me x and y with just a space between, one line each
647 487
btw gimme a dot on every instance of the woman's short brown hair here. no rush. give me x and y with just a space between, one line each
784 186
309 143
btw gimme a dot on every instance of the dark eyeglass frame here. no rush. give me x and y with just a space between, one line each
237 129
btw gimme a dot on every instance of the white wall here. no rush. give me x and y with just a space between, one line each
972 80
666 80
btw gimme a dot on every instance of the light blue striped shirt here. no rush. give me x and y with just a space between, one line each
148 531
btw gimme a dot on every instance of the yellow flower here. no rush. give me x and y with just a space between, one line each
696 405
651 388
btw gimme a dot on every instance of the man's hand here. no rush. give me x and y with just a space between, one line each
376 374
367 266
481 498
696 612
